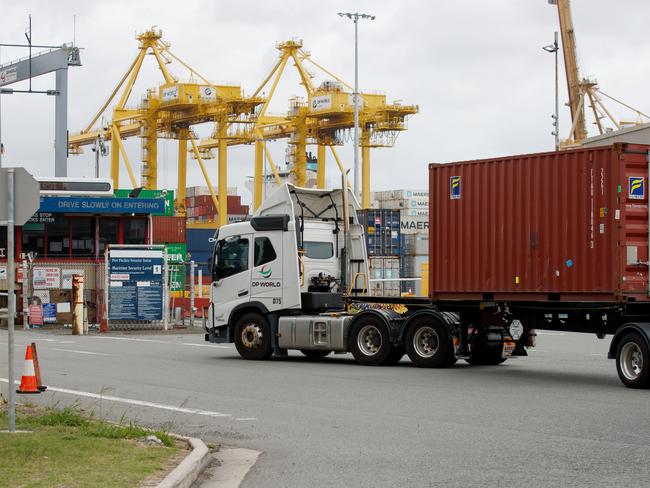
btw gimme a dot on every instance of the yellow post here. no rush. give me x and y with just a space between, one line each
259 174
320 175
223 174
300 164
365 169
115 160
182 171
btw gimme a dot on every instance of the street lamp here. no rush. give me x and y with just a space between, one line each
554 48
355 18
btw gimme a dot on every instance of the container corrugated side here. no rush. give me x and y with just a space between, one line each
569 225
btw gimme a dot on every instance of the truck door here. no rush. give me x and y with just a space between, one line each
231 275
267 275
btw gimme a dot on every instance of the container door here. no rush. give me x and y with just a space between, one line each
633 196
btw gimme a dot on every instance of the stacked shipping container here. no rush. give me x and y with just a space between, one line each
200 209
413 208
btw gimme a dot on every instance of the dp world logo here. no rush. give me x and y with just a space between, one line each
265 271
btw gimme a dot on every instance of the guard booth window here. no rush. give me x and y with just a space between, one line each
83 237
135 231
264 252
231 257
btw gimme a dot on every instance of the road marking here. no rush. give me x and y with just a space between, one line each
79 352
132 339
140 403
551 333
246 419
595 354
205 345
59 342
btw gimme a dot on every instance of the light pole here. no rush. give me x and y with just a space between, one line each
355 96
554 48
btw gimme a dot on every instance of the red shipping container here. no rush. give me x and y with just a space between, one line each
168 229
569 225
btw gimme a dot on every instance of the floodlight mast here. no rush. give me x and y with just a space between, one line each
355 96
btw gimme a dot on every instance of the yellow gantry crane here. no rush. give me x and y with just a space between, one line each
324 118
580 89
167 112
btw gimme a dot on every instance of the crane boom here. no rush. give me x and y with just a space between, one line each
572 72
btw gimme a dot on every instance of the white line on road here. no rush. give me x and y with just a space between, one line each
551 333
79 352
140 403
132 339
205 345
246 419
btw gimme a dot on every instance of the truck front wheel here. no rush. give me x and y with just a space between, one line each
369 342
428 344
633 361
253 336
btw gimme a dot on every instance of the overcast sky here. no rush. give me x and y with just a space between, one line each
476 69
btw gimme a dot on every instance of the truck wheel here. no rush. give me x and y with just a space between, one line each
395 356
314 355
253 336
369 342
633 361
428 345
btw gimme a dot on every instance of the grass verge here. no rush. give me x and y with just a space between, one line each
67 449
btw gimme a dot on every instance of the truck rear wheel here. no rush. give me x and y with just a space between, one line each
428 344
633 361
253 336
369 341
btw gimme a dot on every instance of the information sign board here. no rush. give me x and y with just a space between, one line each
135 284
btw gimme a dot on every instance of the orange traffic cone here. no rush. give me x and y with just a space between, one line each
103 322
37 369
28 382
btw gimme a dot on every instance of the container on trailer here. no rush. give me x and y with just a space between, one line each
557 226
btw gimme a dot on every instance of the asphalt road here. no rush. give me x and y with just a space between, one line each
557 418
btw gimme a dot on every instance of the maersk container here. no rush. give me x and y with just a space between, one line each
382 230
556 226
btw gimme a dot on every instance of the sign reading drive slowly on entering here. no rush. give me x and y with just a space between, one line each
135 289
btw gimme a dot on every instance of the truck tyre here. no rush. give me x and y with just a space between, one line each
314 355
253 336
369 341
395 356
633 361
428 344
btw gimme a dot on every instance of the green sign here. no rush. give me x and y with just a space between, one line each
168 195
176 255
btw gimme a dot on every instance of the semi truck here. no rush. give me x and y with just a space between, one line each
554 241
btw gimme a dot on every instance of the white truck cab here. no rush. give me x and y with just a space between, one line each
295 258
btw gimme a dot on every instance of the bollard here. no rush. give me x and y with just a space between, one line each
78 304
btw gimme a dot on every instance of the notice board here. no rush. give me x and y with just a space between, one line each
135 289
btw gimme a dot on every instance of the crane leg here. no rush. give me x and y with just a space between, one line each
115 162
182 172
259 174
223 175
365 170
320 175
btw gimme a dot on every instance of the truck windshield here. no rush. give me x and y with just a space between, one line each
318 250
231 257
